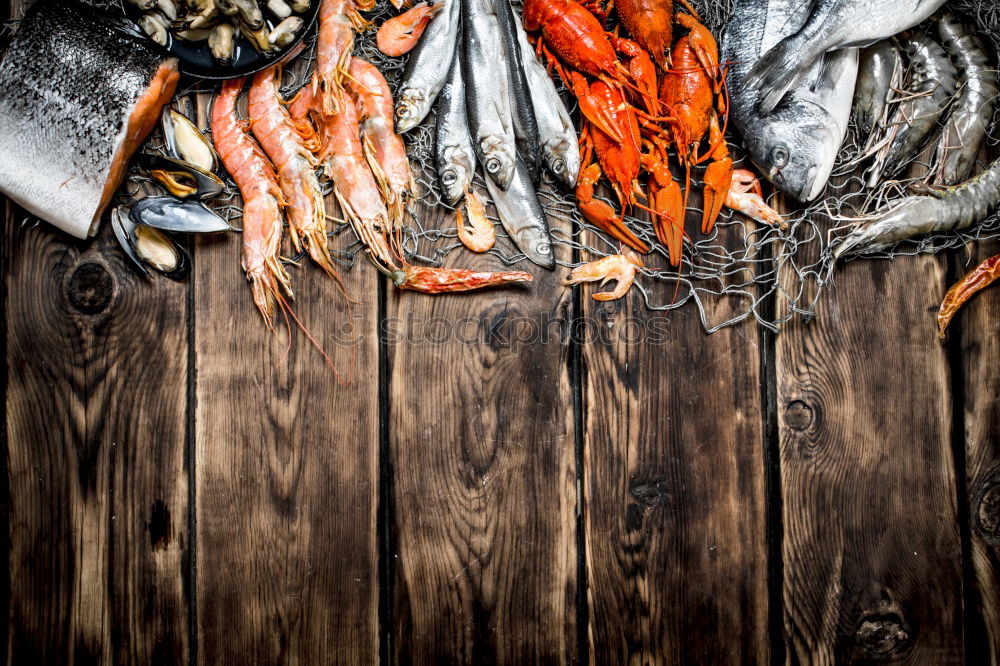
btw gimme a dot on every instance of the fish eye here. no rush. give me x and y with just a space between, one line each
449 177
779 156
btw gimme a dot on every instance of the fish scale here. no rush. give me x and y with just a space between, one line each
70 85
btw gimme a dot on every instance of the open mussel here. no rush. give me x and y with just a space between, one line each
172 214
180 178
149 248
186 142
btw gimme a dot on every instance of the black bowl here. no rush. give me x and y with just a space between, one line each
196 58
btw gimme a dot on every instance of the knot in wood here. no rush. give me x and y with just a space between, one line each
652 493
881 635
159 525
987 509
798 415
90 288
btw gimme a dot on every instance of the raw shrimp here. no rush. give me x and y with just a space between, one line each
384 148
338 19
619 267
943 209
480 236
400 34
931 86
258 184
354 184
880 71
973 111
290 147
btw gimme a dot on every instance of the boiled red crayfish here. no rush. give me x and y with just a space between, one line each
635 110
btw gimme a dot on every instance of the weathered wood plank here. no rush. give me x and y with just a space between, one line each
980 350
482 453
286 469
674 485
95 405
871 548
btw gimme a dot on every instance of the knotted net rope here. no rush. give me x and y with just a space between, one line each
770 274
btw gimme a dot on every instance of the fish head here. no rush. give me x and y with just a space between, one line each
563 160
498 159
455 173
410 104
796 148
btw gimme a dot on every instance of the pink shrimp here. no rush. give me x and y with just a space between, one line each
354 184
384 148
290 146
258 183
746 197
618 267
400 34
338 19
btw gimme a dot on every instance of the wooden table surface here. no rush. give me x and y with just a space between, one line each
516 477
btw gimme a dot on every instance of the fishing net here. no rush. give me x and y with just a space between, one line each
767 273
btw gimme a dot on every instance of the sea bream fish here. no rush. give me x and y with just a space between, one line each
796 145
830 25
77 96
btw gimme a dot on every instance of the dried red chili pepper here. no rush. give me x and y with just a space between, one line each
432 280
972 282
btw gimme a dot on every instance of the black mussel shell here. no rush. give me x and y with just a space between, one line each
181 179
177 128
172 214
135 240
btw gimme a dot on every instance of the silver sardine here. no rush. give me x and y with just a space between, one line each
487 93
455 157
427 68
556 133
522 216
522 110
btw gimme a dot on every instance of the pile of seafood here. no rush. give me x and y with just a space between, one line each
654 98
268 28
797 67
505 116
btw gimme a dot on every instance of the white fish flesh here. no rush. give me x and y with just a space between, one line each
77 97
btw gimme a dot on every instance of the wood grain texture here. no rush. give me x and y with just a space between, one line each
976 329
482 454
286 469
674 486
95 406
872 556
